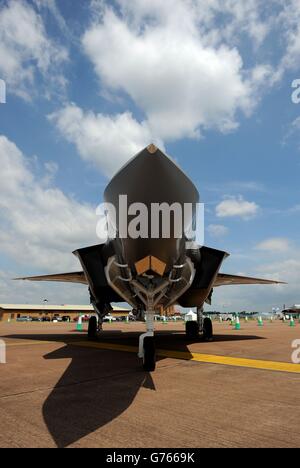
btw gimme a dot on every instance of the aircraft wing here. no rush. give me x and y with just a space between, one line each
224 279
76 277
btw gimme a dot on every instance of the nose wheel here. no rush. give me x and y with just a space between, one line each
149 355
147 344
93 328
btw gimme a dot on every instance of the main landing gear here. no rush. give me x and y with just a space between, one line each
207 329
203 325
95 322
192 330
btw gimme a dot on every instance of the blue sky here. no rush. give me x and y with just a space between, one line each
89 85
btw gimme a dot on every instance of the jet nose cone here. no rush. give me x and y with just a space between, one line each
152 149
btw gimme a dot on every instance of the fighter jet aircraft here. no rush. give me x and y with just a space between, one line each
142 263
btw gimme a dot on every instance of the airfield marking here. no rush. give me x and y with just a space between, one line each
204 358
233 361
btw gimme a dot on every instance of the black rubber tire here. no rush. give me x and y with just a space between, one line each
93 328
192 330
149 359
207 329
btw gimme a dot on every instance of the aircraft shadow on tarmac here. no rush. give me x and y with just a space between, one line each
98 386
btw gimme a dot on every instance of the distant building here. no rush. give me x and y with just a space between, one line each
170 311
14 311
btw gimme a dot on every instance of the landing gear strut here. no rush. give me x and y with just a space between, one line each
95 322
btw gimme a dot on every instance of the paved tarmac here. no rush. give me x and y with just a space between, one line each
59 390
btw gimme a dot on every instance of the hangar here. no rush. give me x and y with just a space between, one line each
14 311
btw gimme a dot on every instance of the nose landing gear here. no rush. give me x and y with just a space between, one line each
149 354
147 344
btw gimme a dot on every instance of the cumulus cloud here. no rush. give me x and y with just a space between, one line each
26 51
289 22
40 225
52 7
180 62
217 230
159 58
263 297
287 270
275 244
236 207
106 141
295 209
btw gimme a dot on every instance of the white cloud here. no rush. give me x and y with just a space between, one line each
275 244
289 22
179 61
158 56
287 270
52 7
262 297
236 207
40 225
285 266
27 52
106 141
217 230
295 209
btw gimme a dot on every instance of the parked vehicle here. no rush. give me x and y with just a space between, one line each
109 318
66 318
57 319
24 319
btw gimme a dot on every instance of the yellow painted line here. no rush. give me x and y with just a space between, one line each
205 358
233 361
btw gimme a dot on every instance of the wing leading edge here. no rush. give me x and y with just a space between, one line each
227 280
221 280
75 277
